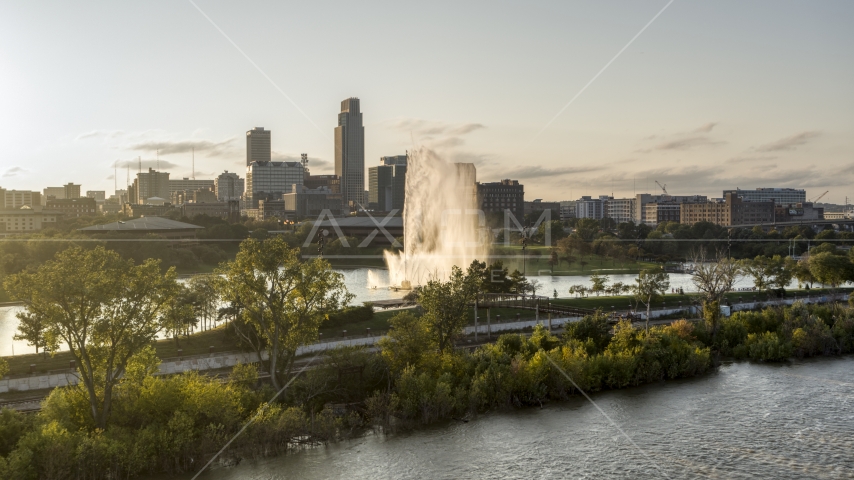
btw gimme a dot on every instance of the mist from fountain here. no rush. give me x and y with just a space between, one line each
443 226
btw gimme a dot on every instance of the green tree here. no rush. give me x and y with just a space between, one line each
650 286
446 304
519 284
830 269
768 272
179 314
106 309
713 279
410 342
206 293
282 298
599 283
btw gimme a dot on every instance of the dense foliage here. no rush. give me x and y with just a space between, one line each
175 424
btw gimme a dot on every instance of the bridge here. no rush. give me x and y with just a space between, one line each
814 224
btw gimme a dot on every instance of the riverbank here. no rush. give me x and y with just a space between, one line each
745 420
406 385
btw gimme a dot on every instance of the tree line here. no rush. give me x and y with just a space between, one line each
121 419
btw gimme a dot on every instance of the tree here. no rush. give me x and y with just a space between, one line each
446 304
179 314
768 272
207 297
554 259
830 269
650 286
31 327
409 342
713 279
282 298
599 283
519 282
106 309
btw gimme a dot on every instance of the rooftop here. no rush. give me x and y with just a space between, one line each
152 224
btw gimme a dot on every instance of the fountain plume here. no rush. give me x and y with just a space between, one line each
443 226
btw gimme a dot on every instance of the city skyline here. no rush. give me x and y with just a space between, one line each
767 104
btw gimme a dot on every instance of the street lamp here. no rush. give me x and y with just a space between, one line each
524 247
322 234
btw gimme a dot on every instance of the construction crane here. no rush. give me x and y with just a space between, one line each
663 187
820 196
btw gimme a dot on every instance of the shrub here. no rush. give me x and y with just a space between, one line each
768 347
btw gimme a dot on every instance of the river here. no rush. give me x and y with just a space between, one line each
746 420
369 284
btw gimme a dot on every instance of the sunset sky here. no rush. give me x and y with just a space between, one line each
711 95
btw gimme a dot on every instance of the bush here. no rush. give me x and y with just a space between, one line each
350 315
768 347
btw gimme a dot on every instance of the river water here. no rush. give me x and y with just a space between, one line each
746 420
370 284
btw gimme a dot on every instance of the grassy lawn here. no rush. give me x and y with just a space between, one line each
623 302
196 344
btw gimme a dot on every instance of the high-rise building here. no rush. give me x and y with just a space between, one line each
781 196
502 196
189 185
350 152
229 186
399 165
270 180
380 188
733 210
56 193
10 199
71 191
588 207
622 210
74 207
332 182
151 184
642 199
567 210
258 146
387 184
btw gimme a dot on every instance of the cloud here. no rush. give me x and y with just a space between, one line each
167 147
436 135
749 158
536 171
705 128
465 128
98 133
160 165
13 172
789 143
110 177
684 144
83 136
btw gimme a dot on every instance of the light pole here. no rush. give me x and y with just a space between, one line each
322 234
524 247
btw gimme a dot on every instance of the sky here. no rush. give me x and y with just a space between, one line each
564 96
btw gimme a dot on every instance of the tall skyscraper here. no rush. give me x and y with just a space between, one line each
350 152
257 145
